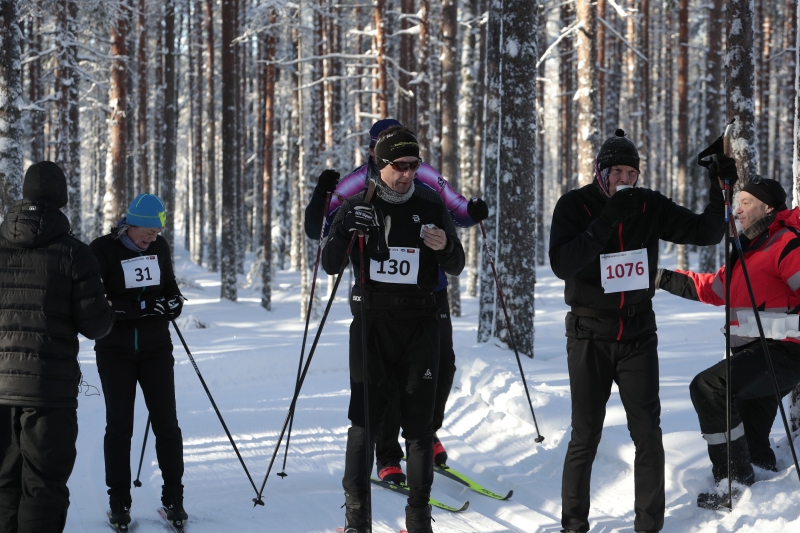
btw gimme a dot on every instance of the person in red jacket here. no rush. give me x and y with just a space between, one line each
771 243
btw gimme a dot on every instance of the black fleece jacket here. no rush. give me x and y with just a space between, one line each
424 207
131 333
50 290
578 238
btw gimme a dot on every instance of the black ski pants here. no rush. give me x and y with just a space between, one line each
753 392
153 371
387 447
38 454
593 367
402 362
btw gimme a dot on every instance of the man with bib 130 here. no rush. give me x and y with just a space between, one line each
409 235
604 245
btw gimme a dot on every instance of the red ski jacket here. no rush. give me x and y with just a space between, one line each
773 264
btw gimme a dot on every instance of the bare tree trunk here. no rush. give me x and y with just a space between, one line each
11 152
380 48
35 90
782 168
541 44
141 115
198 181
269 136
170 121
510 163
566 81
424 131
158 142
116 179
406 112
228 255
211 138
683 118
588 109
763 77
613 82
449 169
740 82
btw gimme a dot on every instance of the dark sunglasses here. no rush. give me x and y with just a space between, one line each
402 166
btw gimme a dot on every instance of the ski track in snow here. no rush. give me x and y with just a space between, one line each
249 357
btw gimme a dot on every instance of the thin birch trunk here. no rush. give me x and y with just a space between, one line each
11 152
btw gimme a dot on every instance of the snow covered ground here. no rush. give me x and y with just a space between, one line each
248 358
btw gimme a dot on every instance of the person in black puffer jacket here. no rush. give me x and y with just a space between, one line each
136 266
604 245
50 291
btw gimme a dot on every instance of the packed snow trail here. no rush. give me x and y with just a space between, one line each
248 358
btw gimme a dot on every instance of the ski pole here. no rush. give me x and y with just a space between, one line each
365 374
214 404
136 482
539 437
367 197
728 392
283 473
764 347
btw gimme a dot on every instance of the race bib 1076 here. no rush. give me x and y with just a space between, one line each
141 271
624 271
402 267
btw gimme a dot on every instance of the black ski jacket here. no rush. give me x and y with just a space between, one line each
131 333
424 207
578 238
50 290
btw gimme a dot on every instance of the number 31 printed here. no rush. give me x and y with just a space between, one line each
140 274
619 270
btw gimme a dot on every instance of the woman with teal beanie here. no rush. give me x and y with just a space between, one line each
136 266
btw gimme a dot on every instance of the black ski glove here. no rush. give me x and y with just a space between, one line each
376 243
152 307
724 168
477 209
360 217
621 206
327 181
663 277
174 306
704 157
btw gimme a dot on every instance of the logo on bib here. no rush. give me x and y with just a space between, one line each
416 218
428 374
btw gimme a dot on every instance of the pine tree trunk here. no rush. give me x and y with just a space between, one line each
35 91
228 245
566 80
783 167
541 44
510 164
380 48
424 131
683 119
449 143
763 77
588 108
198 181
740 82
466 111
116 169
211 139
11 152
269 135
143 85
158 117
406 112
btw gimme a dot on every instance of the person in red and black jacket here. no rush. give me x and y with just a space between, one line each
604 245
771 244
136 265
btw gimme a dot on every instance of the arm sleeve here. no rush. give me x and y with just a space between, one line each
572 247
789 264
313 223
451 258
682 226
706 288
90 310
335 249
455 203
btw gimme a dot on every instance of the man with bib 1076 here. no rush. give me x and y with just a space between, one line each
604 245
409 235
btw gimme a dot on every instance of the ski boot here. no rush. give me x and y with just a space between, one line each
418 519
173 509
439 453
120 514
391 473
356 517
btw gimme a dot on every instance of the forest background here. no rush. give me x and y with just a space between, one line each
229 110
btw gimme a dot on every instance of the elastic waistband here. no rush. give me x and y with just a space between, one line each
631 310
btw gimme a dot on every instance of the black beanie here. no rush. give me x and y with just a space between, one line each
768 191
45 181
393 143
618 150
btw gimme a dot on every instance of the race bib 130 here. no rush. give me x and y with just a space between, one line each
402 267
624 271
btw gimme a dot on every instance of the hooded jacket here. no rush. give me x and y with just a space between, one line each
578 238
50 290
773 264
131 333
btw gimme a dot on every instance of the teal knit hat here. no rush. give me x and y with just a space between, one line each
147 211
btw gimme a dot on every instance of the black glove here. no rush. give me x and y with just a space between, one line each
327 181
704 157
361 217
174 306
621 206
152 307
376 242
724 168
663 277
477 209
